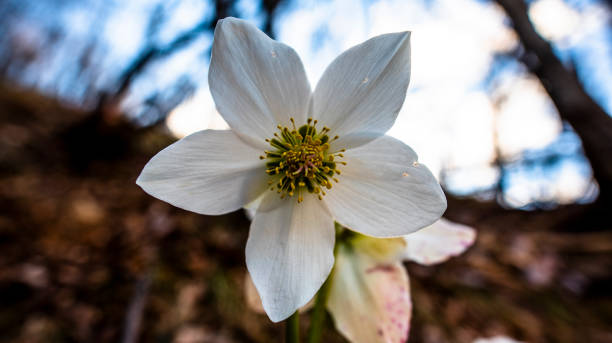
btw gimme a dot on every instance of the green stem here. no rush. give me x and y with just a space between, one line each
319 314
292 328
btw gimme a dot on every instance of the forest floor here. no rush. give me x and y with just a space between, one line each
87 256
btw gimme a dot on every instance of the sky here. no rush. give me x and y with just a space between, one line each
453 115
466 104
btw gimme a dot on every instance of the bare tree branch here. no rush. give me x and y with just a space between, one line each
269 7
153 52
588 119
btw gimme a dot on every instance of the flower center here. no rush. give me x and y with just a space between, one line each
300 161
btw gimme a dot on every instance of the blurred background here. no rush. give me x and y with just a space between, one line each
509 105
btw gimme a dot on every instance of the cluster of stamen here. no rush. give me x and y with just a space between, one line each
300 161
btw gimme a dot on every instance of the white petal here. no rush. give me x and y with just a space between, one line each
363 89
289 253
369 300
256 82
384 192
438 242
208 172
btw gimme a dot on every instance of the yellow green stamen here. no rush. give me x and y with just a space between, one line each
300 160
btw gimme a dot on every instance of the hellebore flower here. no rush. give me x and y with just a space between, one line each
312 157
369 297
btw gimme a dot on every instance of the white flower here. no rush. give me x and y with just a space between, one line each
260 88
369 296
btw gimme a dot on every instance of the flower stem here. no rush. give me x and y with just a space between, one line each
318 314
292 328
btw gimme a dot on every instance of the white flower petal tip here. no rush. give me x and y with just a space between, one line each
289 254
496 339
253 300
256 82
438 242
363 89
384 192
369 300
209 172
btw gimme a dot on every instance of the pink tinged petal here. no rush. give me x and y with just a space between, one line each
289 253
438 242
363 89
369 299
384 192
256 82
208 172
